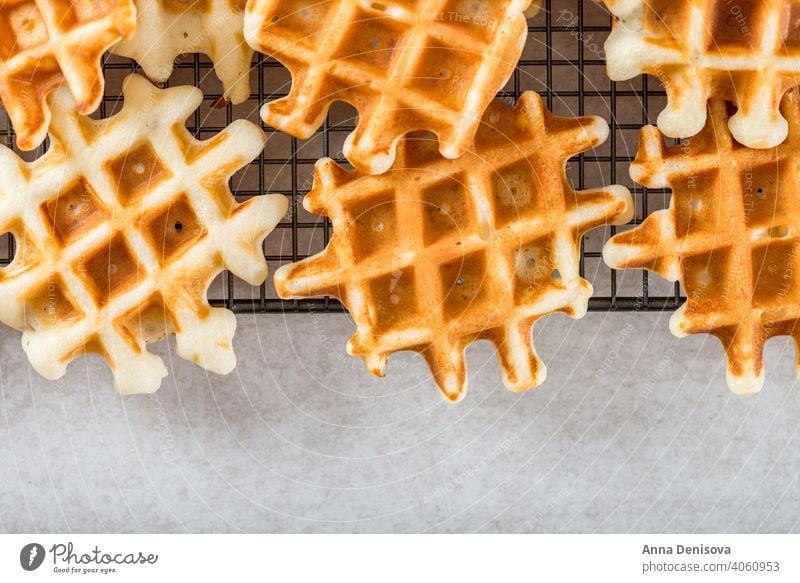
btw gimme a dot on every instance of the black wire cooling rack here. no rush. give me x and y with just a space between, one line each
563 61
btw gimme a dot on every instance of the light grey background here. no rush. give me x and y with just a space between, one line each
633 431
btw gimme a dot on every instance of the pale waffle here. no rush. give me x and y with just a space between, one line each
169 28
730 236
48 43
744 51
438 253
404 65
120 228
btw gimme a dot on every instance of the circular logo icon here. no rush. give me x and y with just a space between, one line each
31 556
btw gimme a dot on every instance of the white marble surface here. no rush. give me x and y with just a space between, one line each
634 431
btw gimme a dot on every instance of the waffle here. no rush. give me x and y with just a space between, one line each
170 28
745 51
438 253
730 236
120 228
48 43
404 65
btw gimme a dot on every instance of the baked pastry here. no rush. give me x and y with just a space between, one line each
730 236
120 228
169 28
405 65
438 253
743 51
48 43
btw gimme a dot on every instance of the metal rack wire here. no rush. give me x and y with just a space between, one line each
562 60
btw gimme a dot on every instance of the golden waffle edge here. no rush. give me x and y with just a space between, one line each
438 253
49 43
745 52
120 228
404 66
730 236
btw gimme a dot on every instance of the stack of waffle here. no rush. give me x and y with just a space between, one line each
458 221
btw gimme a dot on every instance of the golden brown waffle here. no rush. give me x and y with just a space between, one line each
48 43
405 65
169 28
730 236
438 253
745 51
120 228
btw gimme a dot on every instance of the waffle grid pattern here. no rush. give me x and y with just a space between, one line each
392 60
106 265
739 273
479 247
52 42
695 48
560 61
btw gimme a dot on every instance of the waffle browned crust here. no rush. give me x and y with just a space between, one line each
169 28
405 65
48 43
120 228
730 236
438 253
745 51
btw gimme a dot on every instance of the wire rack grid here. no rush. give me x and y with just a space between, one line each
563 61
